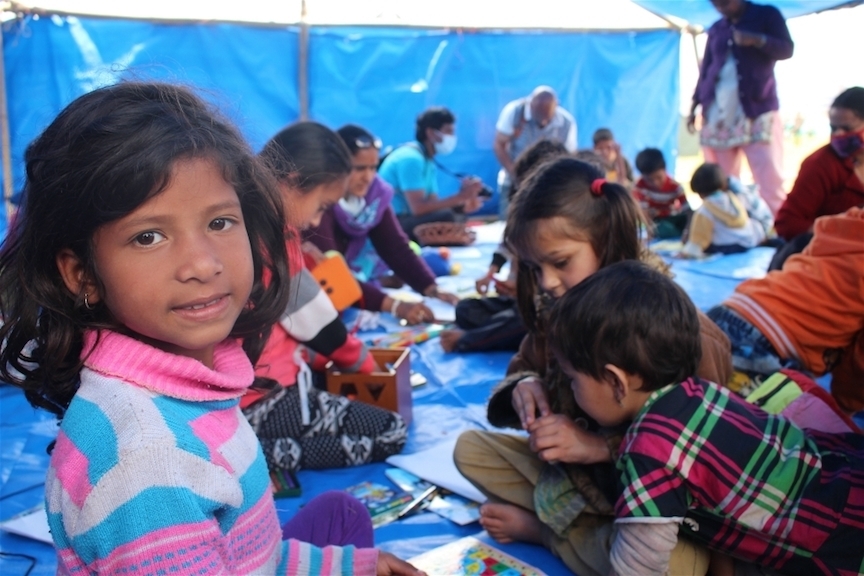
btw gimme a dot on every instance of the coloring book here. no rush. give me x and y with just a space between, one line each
383 503
471 557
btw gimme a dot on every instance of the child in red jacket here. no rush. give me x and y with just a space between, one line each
661 198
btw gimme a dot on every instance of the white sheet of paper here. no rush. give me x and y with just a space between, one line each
33 525
489 233
444 312
436 465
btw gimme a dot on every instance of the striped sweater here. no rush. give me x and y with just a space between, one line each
310 319
156 471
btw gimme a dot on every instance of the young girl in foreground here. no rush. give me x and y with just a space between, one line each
557 486
696 457
136 265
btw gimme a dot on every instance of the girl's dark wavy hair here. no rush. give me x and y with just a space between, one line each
611 221
105 155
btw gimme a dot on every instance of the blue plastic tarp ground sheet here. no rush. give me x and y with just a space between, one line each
383 78
248 72
453 400
709 282
702 13
24 437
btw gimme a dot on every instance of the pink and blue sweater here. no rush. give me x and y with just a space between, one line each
156 471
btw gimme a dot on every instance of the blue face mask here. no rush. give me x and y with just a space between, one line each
846 145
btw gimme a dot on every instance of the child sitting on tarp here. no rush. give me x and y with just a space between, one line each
765 495
615 164
756 207
493 323
722 224
809 315
661 198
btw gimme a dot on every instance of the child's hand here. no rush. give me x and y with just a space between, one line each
482 284
556 438
505 288
389 565
529 397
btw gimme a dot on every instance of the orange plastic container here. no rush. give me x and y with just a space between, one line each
336 279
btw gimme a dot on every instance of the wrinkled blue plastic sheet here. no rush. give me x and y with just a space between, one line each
377 77
702 13
452 401
382 78
709 282
248 72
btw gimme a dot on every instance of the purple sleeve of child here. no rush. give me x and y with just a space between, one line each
391 243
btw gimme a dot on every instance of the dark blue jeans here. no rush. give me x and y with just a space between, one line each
751 350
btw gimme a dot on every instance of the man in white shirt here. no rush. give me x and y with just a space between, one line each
523 122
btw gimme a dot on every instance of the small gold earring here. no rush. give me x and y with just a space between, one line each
87 301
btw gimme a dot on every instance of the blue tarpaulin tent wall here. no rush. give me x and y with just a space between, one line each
380 77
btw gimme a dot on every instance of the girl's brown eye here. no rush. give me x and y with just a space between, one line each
220 224
148 238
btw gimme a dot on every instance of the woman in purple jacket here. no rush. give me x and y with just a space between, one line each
738 94
363 227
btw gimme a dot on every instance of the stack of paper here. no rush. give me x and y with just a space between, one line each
436 466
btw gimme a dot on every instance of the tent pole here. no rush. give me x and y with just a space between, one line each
303 64
696 49
5 139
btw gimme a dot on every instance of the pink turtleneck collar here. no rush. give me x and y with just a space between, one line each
118 356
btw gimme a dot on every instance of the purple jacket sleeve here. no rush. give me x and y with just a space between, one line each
391 243
778 41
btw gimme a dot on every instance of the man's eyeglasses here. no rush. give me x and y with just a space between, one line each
366 142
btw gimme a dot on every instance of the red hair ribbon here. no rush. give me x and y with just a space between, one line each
597 186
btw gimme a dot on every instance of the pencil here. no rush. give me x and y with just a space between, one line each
415 504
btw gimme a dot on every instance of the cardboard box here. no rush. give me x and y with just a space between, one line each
389 388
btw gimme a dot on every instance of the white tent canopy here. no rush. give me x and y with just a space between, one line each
552 14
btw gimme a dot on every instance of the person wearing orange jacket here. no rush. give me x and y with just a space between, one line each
808 315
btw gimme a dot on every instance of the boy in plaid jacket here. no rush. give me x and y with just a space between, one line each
751 486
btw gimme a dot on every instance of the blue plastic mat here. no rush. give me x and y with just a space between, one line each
453 400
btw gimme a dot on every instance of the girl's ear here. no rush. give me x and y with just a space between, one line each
75 276
620 380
